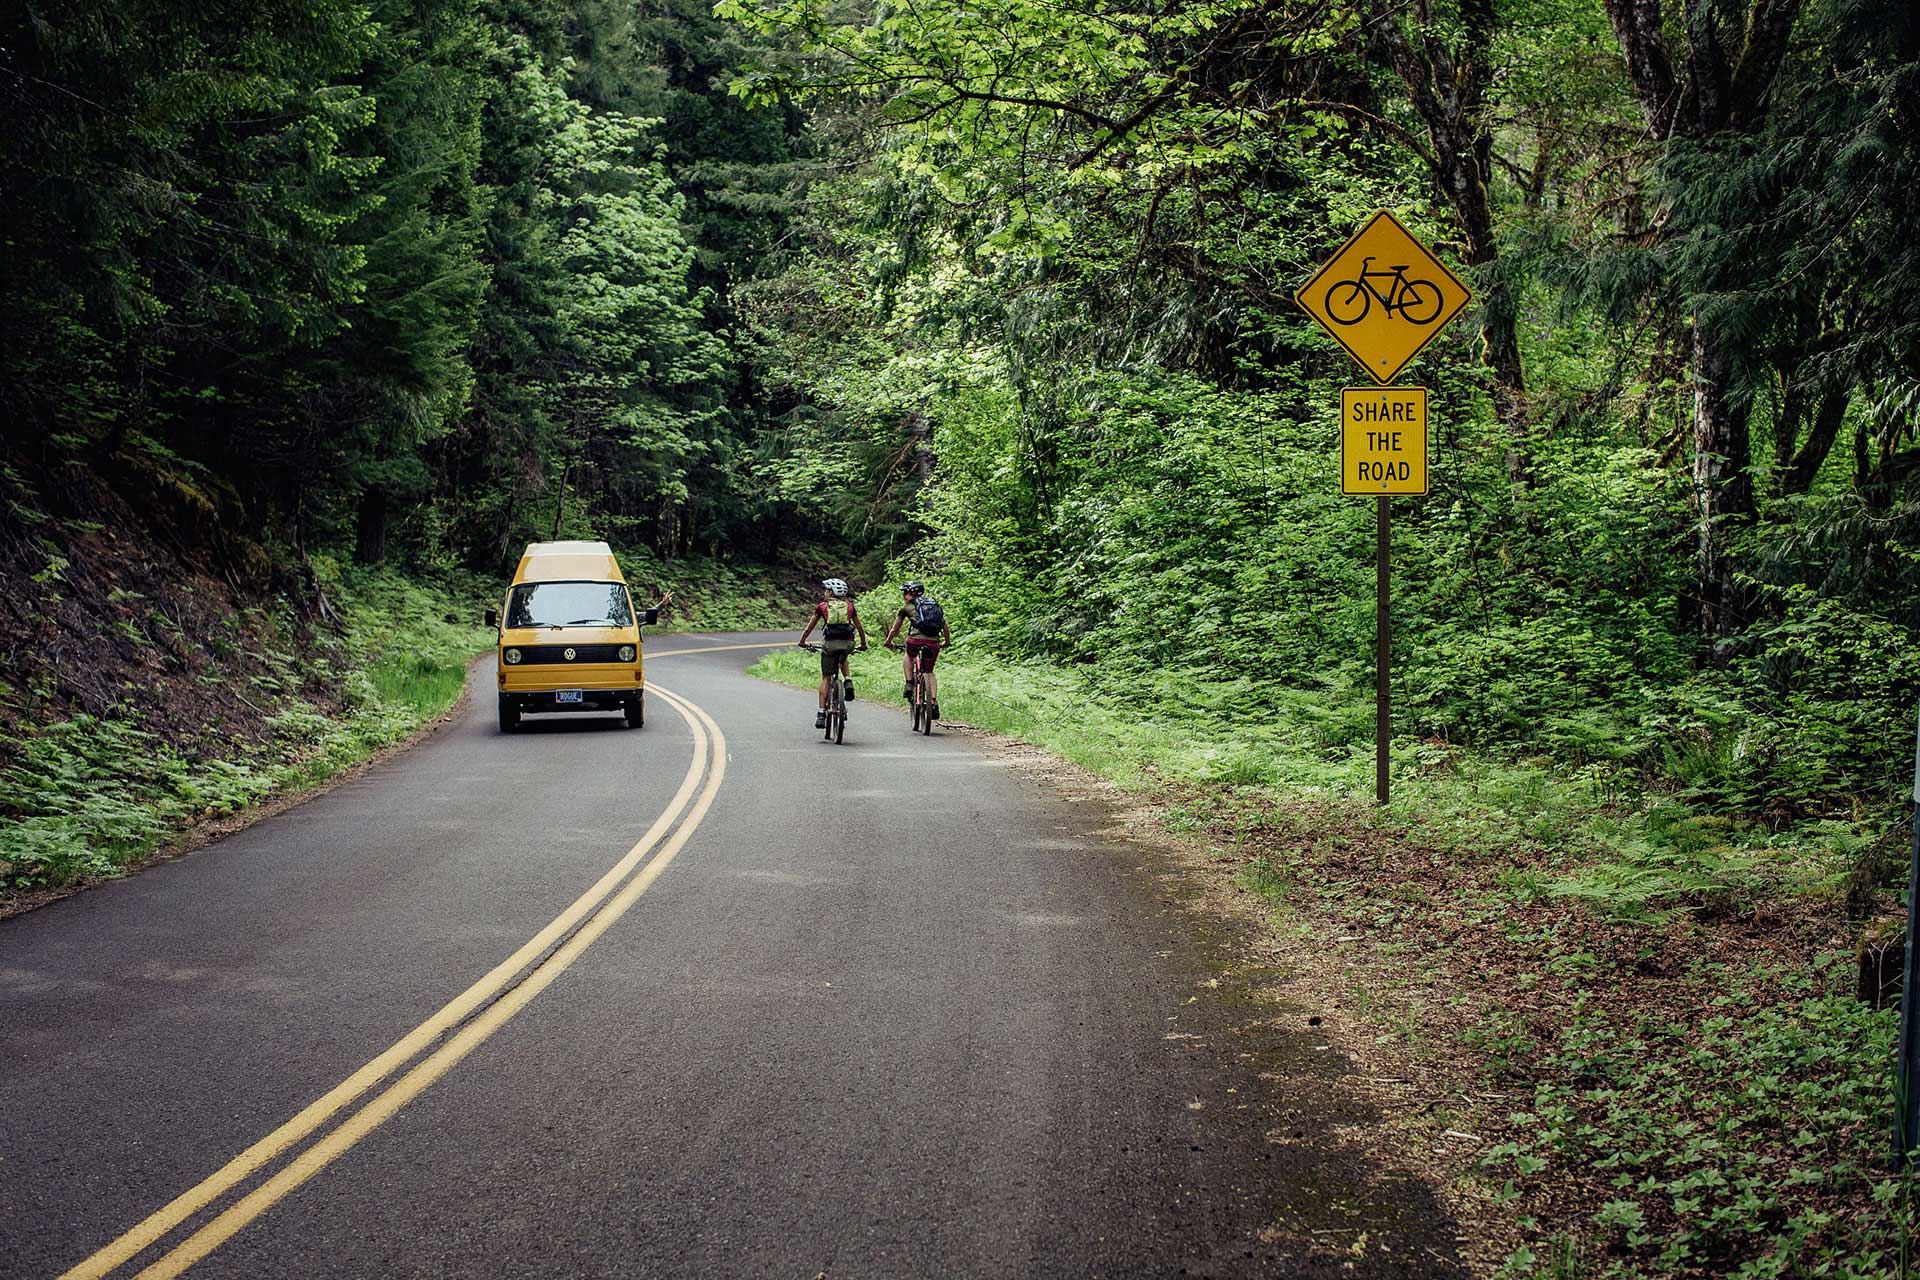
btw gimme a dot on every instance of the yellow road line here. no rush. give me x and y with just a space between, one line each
410 1086
254 1158
416 1081
716 648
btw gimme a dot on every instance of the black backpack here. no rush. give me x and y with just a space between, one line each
928 616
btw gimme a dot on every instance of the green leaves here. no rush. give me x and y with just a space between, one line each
1736 1138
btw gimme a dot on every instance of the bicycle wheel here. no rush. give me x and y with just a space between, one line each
919 711
840 726
926 719
1420 302
1348 302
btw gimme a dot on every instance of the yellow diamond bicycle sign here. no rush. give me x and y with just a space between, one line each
1383 297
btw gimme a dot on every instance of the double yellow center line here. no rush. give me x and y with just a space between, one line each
449 1035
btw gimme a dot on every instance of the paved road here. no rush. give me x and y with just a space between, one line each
884 1009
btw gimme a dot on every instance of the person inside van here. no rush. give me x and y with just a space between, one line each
841 624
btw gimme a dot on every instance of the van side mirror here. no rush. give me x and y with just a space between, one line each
493 618
649 617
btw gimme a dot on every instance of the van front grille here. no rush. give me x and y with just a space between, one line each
534 655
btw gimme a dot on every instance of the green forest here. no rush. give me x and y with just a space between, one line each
321 309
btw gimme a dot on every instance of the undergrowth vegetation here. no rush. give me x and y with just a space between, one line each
1748 1139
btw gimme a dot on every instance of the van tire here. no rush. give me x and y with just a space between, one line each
636 712
509 715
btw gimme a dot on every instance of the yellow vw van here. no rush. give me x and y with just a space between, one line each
569 638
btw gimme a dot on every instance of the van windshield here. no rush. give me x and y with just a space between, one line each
569 604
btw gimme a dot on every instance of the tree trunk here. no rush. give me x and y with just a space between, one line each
1463 154
1722 482
506 526
370 528
1805 465
1714 90
667 527
132 418
1447 87
1500 350
920 432
1786 419
1880 466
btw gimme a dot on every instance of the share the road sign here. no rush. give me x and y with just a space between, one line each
1383 441
1383 297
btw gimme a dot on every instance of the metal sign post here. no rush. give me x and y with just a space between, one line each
1382 647
1906 1083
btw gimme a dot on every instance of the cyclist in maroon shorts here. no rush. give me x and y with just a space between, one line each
927 632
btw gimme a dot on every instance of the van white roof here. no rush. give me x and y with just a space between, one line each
568 562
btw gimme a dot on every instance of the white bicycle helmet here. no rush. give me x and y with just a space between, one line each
836 587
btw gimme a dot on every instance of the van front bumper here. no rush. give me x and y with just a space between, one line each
619 682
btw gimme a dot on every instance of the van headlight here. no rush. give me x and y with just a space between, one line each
512 656
626 653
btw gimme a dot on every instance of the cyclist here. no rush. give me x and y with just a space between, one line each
842 624
927 633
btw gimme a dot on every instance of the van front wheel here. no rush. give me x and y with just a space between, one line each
509 715
636 712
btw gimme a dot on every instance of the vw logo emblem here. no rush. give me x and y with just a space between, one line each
568 655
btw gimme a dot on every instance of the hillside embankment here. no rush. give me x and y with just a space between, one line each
169 672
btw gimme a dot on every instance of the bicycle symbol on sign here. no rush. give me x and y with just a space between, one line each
1417 301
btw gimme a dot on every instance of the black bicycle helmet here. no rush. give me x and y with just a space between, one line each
913 588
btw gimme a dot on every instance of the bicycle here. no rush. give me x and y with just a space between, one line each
836 703
1418 301
917 699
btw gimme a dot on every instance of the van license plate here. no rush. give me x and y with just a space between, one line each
567 695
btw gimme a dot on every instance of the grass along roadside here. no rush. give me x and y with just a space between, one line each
89 796
1631 1027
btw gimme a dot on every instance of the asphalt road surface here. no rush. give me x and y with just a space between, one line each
709 998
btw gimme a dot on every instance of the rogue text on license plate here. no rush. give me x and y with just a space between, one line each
567 695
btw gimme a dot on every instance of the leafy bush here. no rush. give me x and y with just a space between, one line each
1750 1142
